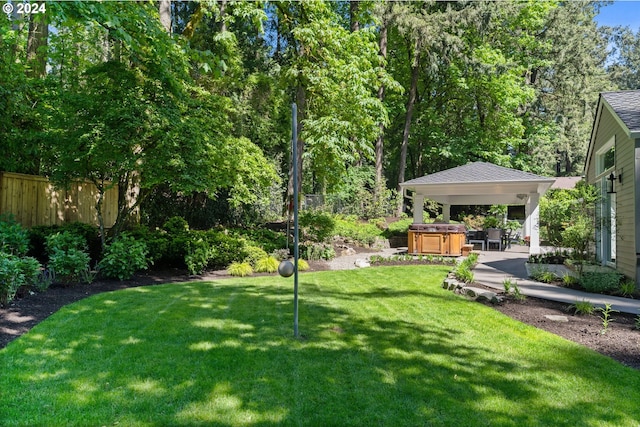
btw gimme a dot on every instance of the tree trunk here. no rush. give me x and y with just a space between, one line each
407 127
380 140
354 24
164 9
37 45
301 100
223 24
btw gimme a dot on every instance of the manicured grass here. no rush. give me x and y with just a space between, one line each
381 346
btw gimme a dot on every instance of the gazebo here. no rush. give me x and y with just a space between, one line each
481 183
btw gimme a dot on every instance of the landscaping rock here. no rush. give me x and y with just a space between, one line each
557 318
362 263
348 252
479 294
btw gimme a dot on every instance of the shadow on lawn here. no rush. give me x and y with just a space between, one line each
222 353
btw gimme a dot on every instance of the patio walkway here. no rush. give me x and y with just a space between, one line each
494 267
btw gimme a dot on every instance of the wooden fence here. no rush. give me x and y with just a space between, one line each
33 200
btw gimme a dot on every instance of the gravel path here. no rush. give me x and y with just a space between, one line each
347 262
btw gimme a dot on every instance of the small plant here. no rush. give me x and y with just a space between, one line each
507 284
267 265
638 322
68 256
583 307
122 259
463 273
302 265
472 258
280 254
517 294
627 288
548 277
606 317
240 269
569 281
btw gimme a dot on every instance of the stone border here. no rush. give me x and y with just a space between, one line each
477 294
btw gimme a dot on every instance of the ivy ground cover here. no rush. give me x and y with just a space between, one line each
379 346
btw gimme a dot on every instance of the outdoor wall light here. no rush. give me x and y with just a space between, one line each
612 177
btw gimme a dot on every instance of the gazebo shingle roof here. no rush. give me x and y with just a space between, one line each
477 172
626 104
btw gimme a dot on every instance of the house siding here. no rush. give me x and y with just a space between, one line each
607 128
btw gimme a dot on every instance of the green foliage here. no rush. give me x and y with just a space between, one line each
317 251
362 233
11 277
399 227
240 269
68 257
16 272
14 239
266 265
197 256
318 227
627 288
176 225
605 316
491 222
123 257
583 307
566 218
463 273
600 282
570 281
302 265
517 293
541 274
254 254
507 285
261 237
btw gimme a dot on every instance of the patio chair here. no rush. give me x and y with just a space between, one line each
494 235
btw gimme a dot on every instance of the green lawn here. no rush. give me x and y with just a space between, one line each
381 346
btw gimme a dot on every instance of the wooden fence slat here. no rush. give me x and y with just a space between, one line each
33 200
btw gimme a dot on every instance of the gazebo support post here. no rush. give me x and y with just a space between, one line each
532 227
418 209
446 212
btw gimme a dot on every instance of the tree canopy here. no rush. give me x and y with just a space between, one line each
194 97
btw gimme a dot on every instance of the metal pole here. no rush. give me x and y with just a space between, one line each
294 141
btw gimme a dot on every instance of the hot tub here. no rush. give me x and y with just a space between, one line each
437 239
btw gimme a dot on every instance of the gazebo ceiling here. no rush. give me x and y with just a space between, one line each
479 183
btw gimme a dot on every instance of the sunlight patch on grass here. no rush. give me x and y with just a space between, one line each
221 407
222 324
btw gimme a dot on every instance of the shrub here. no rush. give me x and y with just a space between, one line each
240 269
600 282
68 257
14 273
123 257
316 226
14 239
302 265
398 228
176 225
11 277
198 255
254 254
356 231
569 280
316 251
267 265
281 254
262 237
225 249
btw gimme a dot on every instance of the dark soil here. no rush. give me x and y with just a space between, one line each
620 342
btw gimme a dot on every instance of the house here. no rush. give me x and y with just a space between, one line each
613 166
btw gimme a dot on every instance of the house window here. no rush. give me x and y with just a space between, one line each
606 237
